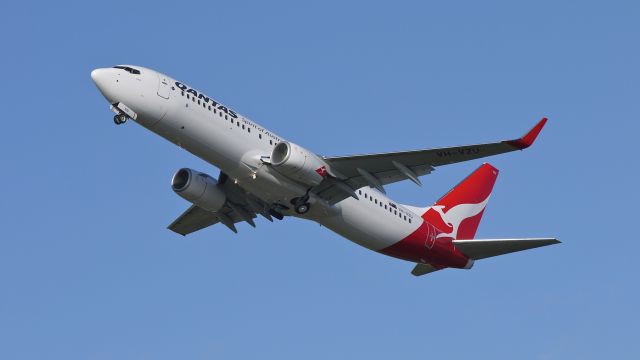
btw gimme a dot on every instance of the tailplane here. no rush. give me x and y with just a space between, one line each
485 248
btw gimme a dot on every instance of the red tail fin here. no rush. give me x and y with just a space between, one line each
458 213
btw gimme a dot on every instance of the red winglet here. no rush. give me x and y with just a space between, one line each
527 140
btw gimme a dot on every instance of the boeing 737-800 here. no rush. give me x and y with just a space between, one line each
263 174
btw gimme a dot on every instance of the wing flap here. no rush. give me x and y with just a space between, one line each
485 248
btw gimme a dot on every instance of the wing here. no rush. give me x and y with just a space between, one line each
196 218
240 206
377 170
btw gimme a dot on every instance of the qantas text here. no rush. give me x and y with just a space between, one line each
206 99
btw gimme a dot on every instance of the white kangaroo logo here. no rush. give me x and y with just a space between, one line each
457 214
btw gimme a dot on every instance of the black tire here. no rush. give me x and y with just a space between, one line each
120 119
302 208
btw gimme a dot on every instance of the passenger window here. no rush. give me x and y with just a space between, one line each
182 93
260 136
226 117
188 97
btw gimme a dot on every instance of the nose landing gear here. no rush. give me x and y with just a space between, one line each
120 119
123 113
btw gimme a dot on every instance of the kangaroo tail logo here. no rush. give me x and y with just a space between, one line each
458 213
453 217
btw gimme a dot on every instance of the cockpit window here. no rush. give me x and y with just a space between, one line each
128 69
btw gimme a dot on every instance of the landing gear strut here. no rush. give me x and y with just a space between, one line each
120 119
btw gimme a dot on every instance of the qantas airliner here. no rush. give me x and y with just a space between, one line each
263 174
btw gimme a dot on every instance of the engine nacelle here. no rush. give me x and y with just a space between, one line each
298 163
198 188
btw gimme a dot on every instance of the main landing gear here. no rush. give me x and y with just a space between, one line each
301 204
302 208
120 119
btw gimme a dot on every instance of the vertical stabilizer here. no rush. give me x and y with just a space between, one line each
458 213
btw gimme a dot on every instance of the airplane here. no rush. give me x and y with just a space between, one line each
263 174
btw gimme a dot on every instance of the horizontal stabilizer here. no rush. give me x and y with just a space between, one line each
481 249
423 269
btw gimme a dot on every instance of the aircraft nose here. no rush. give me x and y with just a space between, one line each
99 77
103 78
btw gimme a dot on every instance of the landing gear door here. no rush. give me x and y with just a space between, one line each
163 86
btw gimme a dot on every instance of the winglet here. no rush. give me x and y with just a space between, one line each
528 139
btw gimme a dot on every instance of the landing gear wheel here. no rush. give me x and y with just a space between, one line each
302 208
120 119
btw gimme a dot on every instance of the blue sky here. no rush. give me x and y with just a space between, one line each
88 270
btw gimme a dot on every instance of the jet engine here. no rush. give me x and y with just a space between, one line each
198 188
298 163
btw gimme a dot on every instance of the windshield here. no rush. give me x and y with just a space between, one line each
128 69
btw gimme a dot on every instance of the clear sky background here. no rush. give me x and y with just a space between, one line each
88 270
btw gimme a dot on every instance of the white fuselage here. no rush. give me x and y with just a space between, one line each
238 146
